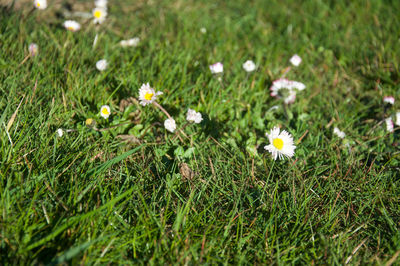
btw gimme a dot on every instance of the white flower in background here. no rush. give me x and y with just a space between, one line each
286 84
203 30
217 68
193 116
281 144
339 133
105 111
170 125
99 14
72 25
101 3
101 65
131 42
40 4
249 66
291 86
60 132
388 99
398 118
389 124
33 49
277 85
147 94
295 60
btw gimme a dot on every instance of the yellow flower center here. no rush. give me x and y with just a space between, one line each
89 121
70 28
38 4
104 111
278 143
97 14
148 96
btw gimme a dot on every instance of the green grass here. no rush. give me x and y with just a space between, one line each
91 198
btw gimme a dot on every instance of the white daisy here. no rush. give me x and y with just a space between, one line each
170 125
105 111
285 84
203 30
389 124
291 86
295 60
101 65
131 42
217 68
60 132
281 144
99 14
339 133
193 116
40 4
101 3
72 25
147 94
249 66
33 49
398 118
388 99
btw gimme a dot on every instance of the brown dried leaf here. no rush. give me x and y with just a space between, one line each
186 172
129 138
127 102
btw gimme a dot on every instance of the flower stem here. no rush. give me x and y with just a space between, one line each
181 130
169 116
286 71
285 111
162 109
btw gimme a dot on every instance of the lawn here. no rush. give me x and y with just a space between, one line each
78 188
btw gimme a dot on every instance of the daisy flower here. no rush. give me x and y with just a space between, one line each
72 25
101 65
147 94
131 42
99 14
203 30
33 49
389 124
170 125
249 66
295 60
105 111
193 116
281 144
388 99
339 133
217 68
40 4
285 84
398 118
291 86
